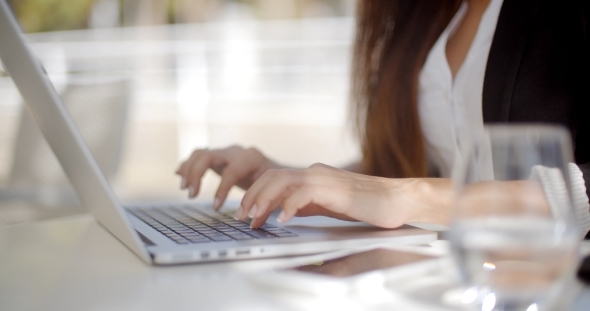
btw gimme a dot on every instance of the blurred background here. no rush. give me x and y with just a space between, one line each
148 81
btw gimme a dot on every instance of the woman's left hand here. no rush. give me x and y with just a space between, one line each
328 191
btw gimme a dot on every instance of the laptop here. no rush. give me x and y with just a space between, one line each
170 233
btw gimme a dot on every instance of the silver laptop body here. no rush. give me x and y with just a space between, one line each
169 233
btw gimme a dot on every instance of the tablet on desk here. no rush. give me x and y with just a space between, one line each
340 274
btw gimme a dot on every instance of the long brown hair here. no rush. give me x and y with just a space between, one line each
392 42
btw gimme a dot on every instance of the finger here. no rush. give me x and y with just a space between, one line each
245 164
231 175
300 198
227 154
275 190
260 164
186 166
259 197
248 199
260 220
199 166
248 206
181 167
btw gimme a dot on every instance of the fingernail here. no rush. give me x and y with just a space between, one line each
251 227
238 213
252 212
216 203
282 217
183 183
191 191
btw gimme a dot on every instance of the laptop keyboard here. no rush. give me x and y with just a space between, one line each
187 225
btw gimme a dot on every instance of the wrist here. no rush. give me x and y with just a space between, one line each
429 200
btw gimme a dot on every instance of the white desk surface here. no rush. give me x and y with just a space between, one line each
73 263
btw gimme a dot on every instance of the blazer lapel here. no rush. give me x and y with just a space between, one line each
516 21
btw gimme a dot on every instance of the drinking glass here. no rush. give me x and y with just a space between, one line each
513 233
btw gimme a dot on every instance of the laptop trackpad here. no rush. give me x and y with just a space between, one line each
322 224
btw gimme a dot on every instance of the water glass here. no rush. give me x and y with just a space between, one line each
513 233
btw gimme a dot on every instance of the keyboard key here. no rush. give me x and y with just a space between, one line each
286 234
228 229
218 227
195 236
200 237
242 227
260 234
198 226
200 241
242 236
214 234
276 231
272 229
207 231
220 238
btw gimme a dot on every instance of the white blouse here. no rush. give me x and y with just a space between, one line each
451 109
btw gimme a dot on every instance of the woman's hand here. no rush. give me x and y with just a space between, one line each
235 165
328 191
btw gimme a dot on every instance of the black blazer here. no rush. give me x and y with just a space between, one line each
538 69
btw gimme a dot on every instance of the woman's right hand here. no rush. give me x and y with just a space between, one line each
235 165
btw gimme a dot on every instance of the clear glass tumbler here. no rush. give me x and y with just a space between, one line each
513 232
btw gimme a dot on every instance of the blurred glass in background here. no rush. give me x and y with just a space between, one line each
514 236
184 74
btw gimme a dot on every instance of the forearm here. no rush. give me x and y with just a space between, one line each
431 200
